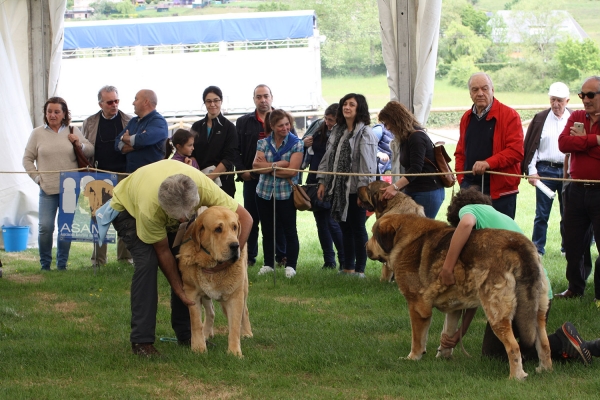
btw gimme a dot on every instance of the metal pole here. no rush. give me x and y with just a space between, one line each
274 227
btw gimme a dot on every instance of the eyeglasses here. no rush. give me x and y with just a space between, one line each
589 95
111 102
215 101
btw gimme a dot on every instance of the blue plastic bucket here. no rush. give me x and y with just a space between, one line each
15 237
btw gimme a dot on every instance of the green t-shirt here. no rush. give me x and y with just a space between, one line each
138 194
487 217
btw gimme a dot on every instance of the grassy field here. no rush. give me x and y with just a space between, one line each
376 91
318 336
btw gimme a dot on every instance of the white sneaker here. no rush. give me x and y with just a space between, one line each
290 272
265 270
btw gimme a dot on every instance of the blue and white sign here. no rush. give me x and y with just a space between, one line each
81 194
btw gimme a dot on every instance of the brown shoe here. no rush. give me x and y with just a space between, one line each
568 294
144 350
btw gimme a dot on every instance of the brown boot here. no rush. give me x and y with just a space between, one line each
144 350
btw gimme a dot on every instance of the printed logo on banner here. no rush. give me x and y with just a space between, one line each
81 194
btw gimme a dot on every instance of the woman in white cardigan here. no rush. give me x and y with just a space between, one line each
50 148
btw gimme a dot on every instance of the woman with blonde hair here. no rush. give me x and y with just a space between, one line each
415 148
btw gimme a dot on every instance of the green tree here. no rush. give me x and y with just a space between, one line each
577 60
125 7
351 29
461 41
476 20
103 7
273 6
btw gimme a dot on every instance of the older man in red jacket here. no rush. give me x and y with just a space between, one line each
491 138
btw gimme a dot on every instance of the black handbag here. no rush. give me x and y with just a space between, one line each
316 204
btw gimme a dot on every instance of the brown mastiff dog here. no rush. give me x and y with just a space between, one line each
497 269
213 267
370 197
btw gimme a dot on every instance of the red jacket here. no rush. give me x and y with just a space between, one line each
507 151
585 152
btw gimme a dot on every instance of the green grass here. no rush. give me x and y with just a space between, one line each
317 336
375 89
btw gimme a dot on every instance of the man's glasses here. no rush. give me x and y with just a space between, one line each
589 95
215 101
111 102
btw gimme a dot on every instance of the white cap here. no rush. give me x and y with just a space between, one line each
559 89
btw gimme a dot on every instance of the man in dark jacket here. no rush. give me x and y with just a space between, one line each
250 128
101 129
544 159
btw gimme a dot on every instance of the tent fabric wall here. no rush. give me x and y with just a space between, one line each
18 193
410 50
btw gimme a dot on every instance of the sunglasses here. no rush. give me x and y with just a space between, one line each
589 95
111 102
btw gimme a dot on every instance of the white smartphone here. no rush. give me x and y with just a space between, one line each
578 127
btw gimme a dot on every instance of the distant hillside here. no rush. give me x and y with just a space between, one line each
585 12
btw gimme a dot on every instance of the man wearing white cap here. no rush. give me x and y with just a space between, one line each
543 159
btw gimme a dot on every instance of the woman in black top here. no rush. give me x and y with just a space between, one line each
415 146
216 141
328 229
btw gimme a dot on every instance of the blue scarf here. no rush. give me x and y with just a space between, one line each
277 154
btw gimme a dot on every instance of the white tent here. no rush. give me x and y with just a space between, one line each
31 33
30 69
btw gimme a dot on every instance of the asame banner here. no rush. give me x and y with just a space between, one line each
81 194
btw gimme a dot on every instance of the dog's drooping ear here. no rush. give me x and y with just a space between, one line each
197 231
385 232
379 203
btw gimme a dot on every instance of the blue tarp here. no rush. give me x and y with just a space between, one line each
189 30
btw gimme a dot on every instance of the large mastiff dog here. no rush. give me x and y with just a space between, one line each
213 267
497 269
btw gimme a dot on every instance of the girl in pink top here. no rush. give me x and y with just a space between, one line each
182 142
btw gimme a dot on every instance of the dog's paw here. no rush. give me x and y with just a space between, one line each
519 376
247 335
444 352
413 356
199 349
235 352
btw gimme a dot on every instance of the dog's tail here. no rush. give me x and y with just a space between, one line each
532 295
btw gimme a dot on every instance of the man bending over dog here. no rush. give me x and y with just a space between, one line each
145 207
470 209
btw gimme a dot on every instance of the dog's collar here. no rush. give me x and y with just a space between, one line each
220 267
205 250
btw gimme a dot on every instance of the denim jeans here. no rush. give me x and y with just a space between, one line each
507 205
48 207
252 243
285 213
431 201
580 210
543 204
329 233
355 236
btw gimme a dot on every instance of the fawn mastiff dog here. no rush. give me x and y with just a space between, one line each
497 269
213 267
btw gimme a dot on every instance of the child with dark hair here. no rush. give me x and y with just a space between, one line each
470 209
182 142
